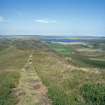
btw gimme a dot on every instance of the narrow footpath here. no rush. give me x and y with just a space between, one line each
31 90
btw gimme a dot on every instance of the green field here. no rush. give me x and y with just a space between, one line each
61 49
76 58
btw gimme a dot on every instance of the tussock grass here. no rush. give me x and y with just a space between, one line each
64 84
8 81
94 94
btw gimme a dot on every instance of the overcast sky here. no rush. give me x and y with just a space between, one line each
52 17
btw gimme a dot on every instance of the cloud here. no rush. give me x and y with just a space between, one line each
1 18
45 21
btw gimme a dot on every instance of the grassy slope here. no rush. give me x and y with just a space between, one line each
8 80
66 85
12 58
11 61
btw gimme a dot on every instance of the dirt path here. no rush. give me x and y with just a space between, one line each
30 90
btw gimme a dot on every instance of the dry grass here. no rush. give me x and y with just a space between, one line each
63 83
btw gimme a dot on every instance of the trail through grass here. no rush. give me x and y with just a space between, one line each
30 90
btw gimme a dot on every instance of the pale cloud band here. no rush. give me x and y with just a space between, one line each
45 21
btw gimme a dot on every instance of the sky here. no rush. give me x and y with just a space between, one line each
52 17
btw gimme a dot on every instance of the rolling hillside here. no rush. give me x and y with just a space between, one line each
36 72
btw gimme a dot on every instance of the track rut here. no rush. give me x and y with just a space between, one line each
30 90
